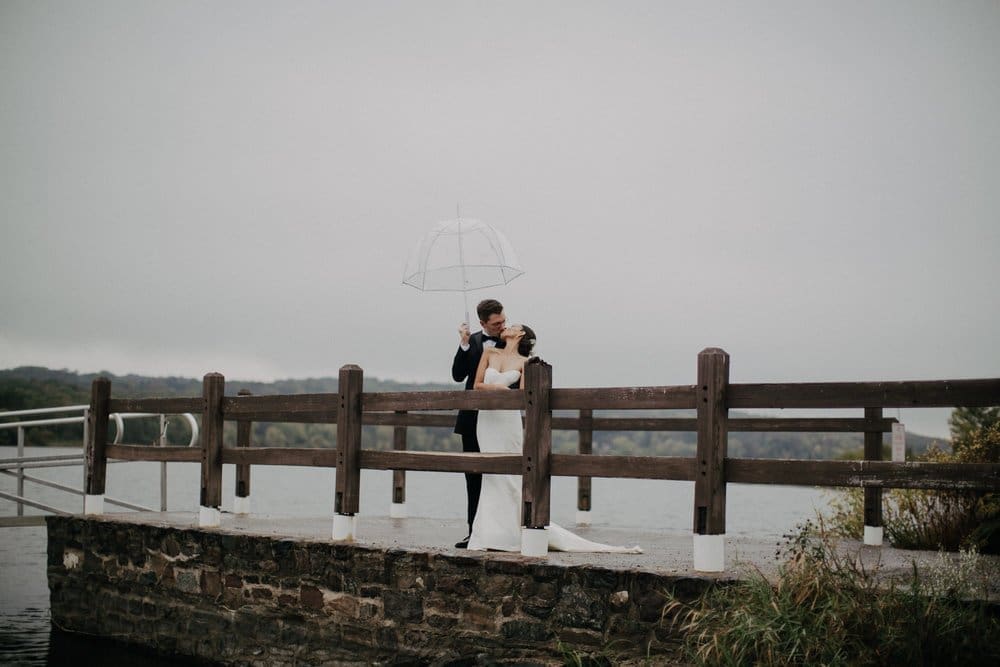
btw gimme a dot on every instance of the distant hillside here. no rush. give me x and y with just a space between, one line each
30 387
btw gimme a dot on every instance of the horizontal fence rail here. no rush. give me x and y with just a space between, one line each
121 410
546 409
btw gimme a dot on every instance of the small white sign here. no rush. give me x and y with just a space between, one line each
898 442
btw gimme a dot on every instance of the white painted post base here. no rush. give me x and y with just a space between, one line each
209 517
93 505
583 517
344 526
397 510
241 505
534 542
709 553
873 536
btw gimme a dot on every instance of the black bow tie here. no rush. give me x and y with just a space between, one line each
492 338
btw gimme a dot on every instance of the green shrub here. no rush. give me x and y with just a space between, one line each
826 608
921 519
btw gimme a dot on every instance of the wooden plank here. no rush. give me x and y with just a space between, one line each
909 394
630 467
873 452
403 418
21 521
154 453
281 456
298 408
95 475
536 479
348 483
244 427
585 447
214 386
625 398
810 425
474 462
710 477
399 476
442 400
883 474
157 406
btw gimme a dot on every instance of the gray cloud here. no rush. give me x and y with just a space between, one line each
236 186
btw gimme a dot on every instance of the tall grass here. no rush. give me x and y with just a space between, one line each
827 608
921 519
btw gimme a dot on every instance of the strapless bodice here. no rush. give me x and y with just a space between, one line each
505 378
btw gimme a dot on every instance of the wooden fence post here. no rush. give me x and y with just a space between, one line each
397 508
583 484
348 485
244 429
97 440
710 478
213 390
873 494
536 458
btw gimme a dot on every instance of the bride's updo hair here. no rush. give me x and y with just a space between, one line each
527 343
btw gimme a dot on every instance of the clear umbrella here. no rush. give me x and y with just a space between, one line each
459 256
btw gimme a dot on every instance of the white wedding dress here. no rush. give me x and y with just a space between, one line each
497 525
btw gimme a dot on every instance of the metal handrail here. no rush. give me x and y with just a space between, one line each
15 467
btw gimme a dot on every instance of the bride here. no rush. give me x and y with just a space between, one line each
497 524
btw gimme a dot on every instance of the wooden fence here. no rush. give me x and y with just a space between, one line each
710 469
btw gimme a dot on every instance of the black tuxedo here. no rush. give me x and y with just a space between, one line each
464 367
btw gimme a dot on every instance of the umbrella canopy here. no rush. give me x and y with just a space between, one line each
461 255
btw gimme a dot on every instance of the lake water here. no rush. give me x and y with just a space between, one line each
757 510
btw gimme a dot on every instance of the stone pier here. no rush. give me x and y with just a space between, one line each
272 592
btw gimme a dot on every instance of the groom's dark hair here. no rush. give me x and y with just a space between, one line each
488 307
527 343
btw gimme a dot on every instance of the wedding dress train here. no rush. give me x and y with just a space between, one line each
497 525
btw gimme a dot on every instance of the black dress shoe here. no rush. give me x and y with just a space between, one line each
464 544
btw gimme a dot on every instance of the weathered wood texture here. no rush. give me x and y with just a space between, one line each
348 481
214 386
390 401
585 446
873 452
158 406
244 427
710 479
399 476
97 436
281 456
494 464
625 398
913 394
152 453
884 474
300 408
632 467
536 476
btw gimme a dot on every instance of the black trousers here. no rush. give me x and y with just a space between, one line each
473 481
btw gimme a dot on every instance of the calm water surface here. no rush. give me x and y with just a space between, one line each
25 638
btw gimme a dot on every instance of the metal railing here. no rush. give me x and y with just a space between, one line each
16 467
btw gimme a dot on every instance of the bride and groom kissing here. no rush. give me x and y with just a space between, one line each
493 360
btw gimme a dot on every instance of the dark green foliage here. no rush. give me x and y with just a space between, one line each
34 387
922 519
827 608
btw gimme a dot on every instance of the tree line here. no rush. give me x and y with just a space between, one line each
30 387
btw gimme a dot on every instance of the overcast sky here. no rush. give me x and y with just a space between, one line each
189 187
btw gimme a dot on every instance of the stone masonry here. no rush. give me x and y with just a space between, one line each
260 600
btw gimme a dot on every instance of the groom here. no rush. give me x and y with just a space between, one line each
470 351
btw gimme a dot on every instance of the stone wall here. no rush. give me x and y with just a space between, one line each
244 599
